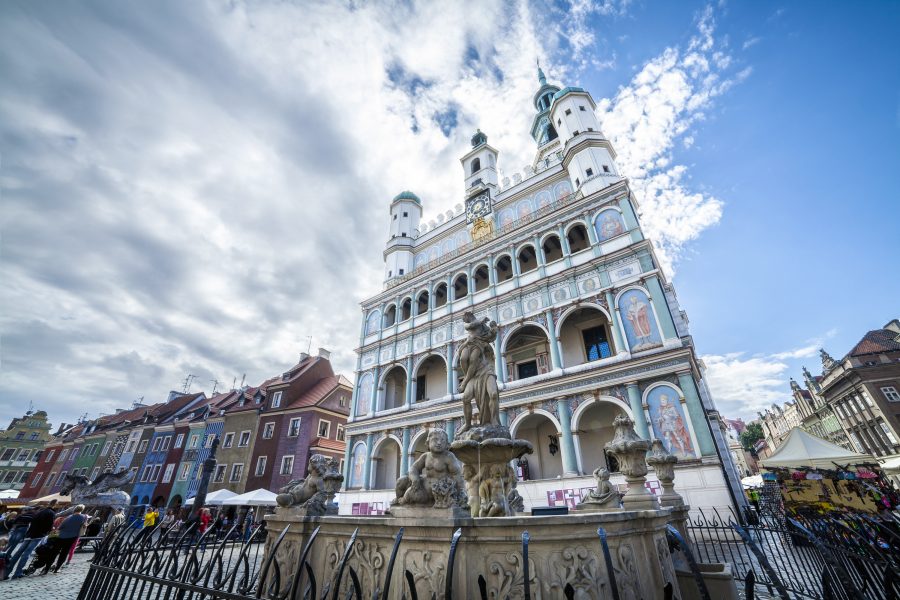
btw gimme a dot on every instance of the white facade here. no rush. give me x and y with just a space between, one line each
588 326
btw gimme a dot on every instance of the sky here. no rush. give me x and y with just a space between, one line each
203 187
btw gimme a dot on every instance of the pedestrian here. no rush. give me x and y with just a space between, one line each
41 525
18 524
117 519
248 525
150 516
68 533
204 523
166 523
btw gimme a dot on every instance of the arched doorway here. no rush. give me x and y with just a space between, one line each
552 248
527 259
431 379
527 353
418 447
546 461
394 392
387 464
159 501
176 501
595 428
578 239
585 335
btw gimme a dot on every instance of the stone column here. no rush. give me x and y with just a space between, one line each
499 363
354 399
637 409
697 414
567 444
564 243
662 308
630 218
450 429
492 276
367 472
410 380
404 452
349 447
614 324
539 256
450 368
373 401
554 341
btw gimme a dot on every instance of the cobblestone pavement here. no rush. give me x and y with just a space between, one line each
52 586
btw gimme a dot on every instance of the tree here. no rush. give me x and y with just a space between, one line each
751 435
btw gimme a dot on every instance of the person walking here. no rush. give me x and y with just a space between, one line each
115 520
18 524
248 525
69 532
41 524
150 516
166 523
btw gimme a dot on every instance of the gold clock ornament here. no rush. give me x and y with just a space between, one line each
481 229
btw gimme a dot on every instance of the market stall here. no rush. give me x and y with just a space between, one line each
808 473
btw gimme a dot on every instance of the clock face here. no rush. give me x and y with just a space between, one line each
478 206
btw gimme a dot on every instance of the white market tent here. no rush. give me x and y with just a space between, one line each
753 481
802 449
260 497
46 499
891 466
7 494
215 498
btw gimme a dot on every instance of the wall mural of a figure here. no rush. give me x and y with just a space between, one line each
372 322
364 397
609 224
358 461
669 421
638 321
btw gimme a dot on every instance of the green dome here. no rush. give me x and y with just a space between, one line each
565 91
407 195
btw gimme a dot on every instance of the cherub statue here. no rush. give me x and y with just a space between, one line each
435 479
493 491
604 495
300 491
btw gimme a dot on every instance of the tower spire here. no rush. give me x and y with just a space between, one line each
541 78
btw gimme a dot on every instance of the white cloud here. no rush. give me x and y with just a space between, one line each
741 386
198 188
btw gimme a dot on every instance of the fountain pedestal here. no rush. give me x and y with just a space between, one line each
486 453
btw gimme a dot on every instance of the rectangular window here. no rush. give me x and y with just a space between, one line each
134 471
210 438
154 474
324 428
581 108
421 388
106 448
63 454
339 436
342 400
888 433
37 479
219 474
95 473
237 469
526 369
51 478
165 444
568 111
157 444
268 430
185 471
142 447
606 168
294 428
33 436
20 435
890 392
287 465
244 440
195 440
405 214
867 398
75 453
50 456
596 344
23 454
589 173
145 474
130 447
228 440
179 440
261 465
37 455
276 399
167 476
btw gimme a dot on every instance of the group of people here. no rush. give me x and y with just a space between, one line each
173 522
49 534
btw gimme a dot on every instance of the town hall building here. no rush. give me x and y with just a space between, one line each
589 328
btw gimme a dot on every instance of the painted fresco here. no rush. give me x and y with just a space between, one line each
507 216
358 466
372 322
364 397
609 224
638 320
562 189
542 199
669 422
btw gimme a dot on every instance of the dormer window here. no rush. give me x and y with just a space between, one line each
276 400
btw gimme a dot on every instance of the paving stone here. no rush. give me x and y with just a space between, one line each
52 586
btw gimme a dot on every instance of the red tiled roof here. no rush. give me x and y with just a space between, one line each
328 444
318 392
877 340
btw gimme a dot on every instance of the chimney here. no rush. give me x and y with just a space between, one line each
323 353
303 356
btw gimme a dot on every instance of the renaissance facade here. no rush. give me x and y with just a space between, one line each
588 326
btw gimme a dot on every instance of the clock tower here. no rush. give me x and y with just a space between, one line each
480 169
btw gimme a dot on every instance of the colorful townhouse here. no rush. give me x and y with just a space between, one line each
67 457
21 445
304 413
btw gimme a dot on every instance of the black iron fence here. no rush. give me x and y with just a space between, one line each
847 557
147 564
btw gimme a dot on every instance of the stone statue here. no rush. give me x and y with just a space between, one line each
435 479
664 465
475 361
604 496
631 454
314 494
103 491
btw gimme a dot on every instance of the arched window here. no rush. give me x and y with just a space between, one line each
460 287
578 239
390 316
476 165
387 465
546 460
406 309
504 269
394 393
358 466
480 278
431 379
527 259
527 353
422 303
552 249
585 336
364 395
440 295
372 322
